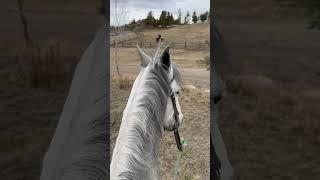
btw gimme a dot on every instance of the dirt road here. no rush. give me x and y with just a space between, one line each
195 76
187 61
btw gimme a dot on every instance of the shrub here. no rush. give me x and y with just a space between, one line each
124 81
206 62
46 67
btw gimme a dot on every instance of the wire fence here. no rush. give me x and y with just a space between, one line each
131 41
174 45
123 38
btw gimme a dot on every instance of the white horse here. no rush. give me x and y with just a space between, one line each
152 107
78 148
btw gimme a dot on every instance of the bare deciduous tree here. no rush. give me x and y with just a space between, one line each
118 13
24 22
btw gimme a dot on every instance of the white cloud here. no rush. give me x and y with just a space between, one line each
138 9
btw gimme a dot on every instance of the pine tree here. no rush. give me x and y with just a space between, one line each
203 17
171 19
155 22
163 18
167 18
132 25
194 17
150 19
207 15
186 19
178 21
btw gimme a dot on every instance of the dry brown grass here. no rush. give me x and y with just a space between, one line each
205 62
50 66
263 119
254 85
270 129
187 61
123 81
31 102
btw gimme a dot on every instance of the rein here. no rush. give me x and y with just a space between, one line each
176 117
176 132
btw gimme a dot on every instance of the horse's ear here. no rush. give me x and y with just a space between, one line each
165 58
145 59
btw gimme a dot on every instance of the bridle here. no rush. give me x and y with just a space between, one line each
176 118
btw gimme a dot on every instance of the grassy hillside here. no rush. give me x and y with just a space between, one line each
191 32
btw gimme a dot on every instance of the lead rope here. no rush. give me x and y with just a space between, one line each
176 168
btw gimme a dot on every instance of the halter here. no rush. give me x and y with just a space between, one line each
176 118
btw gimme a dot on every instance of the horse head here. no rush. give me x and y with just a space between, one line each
173 114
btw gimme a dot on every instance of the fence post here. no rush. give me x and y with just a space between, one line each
150 44
172 45
200 45
185 44
141 44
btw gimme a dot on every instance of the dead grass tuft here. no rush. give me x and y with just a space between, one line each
124 81
205 61
252 85
49 67
189 88
255 102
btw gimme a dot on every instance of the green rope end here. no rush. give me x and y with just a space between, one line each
183 142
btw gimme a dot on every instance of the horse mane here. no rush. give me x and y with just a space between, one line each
78 147
142 128
137 148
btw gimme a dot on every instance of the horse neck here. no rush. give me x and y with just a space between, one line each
137 145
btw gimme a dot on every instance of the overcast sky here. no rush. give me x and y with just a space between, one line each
138 9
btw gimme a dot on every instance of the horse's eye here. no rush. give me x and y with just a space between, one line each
178 92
